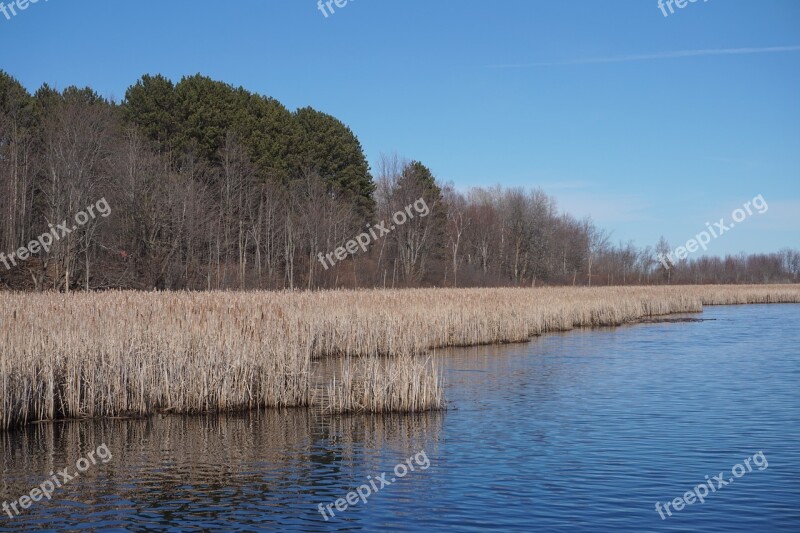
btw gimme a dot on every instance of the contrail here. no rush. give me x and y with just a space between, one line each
663 55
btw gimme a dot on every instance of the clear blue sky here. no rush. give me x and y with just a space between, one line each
594 101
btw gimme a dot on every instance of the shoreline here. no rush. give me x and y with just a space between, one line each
134 355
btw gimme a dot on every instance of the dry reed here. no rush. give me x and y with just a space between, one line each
133 354
405 384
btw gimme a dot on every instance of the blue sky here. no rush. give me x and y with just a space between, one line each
650 124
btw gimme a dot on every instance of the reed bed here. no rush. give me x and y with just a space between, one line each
385 385
117 354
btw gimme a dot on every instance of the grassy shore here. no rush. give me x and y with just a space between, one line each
134 354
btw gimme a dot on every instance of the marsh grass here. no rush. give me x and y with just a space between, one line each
404 384
134 354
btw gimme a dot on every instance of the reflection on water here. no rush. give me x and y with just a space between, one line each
581 431
269 468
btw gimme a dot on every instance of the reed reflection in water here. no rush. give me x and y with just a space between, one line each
179 471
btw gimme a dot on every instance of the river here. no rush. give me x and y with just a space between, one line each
581 431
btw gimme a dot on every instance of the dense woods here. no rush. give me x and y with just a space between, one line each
213 187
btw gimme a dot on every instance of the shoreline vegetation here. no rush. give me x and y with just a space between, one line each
135 354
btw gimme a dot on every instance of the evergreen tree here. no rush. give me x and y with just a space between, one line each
151 104
330 148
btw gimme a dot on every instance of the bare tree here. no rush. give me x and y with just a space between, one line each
457 222
598 242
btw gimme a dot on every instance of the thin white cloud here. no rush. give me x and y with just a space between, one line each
663 55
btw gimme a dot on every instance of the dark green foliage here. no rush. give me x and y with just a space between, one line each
419 179
270 134
206 110
195 115
13 96
332 150
151 104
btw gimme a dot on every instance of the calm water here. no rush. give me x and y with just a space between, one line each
582 431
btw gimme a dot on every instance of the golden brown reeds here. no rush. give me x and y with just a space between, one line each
404 384
133 354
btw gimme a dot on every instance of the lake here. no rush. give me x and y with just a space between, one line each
580 431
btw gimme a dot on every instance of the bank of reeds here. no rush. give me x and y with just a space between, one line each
404 384
134 354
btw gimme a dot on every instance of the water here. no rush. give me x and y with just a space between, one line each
582 431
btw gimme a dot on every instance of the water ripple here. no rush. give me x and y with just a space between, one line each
581 431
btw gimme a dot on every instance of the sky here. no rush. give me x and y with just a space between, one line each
652 125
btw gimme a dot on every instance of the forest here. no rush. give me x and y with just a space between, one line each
212 187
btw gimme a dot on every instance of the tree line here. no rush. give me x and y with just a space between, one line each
214 187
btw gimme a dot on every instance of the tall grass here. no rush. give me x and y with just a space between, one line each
404 384
133 354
